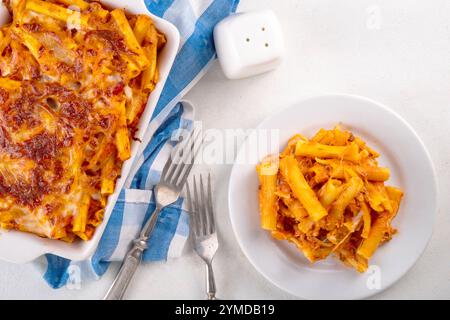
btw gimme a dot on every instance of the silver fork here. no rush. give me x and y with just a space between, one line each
167 191
204 229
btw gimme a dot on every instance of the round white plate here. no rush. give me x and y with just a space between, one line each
411 170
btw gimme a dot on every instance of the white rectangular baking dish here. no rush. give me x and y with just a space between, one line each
21 247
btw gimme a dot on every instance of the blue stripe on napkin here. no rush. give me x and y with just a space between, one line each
160 137
158 7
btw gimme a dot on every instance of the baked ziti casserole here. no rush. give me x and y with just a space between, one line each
327 196
75 78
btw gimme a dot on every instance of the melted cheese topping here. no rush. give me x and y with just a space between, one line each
71 95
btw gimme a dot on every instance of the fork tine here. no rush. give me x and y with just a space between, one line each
189 197
205 220
178 153
185 168
197 215
212 223
187 153
190 206
166 168
169 162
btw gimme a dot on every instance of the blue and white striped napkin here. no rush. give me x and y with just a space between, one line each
195 20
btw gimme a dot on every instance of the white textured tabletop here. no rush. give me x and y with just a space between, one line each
396 52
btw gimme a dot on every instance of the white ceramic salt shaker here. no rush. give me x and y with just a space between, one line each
249 43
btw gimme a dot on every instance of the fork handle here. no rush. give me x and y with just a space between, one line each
132 260
210 282
126 272
151 222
